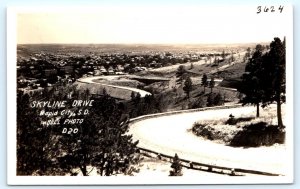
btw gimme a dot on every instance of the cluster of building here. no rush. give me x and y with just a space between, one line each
45 69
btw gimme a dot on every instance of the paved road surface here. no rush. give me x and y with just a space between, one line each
91 80
170 135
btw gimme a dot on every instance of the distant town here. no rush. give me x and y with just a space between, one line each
44 69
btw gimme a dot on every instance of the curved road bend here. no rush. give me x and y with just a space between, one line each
171 134
91 80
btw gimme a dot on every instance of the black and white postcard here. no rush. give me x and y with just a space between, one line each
150 95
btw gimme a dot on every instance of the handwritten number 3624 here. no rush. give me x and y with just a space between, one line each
267 9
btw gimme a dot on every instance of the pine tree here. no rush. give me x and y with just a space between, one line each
273 79
137 98
191 66
176 167
104 92
216 61
210 100
180 74
232 57
132 96
247 54
211 84
85 94
218 100
223 55
252 85
101 140
204 82
188 86
264 78
33 139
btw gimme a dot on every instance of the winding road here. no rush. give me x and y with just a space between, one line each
171 134
92 80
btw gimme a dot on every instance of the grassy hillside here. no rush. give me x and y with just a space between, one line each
98 89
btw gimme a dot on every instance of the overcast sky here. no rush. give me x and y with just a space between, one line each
152 25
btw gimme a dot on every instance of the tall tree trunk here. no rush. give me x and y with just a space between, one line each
83 170
278 100
279 117
83 165
257 109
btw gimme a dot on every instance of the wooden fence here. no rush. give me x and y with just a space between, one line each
204 167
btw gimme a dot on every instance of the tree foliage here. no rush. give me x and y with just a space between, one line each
188 86
150 104
252 85
247 54
176 167
214 99
232 59
264 78
218 99
132 95
274 81
104 92
191 66
180 74
223 55
101 142
31 138
204 81
197 103
211 84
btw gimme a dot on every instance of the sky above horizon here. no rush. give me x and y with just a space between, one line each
152 25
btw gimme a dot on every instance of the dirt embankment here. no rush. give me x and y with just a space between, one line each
97 87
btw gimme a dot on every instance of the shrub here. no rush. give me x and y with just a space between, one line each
176 167
258 134
218 100
202 130
231 120
198 103
234 121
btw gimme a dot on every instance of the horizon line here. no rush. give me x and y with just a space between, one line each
225 43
